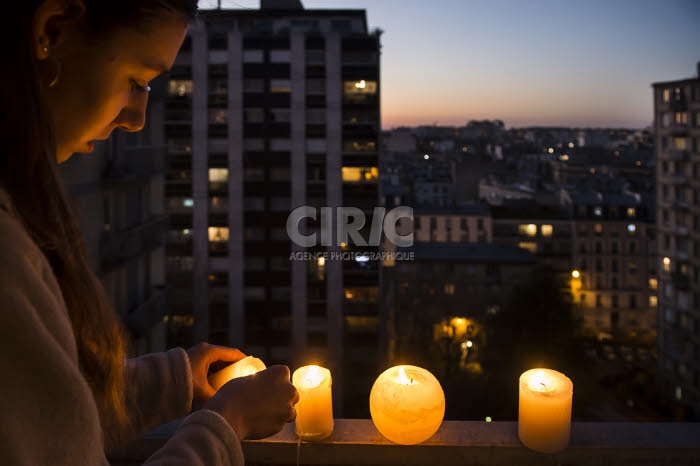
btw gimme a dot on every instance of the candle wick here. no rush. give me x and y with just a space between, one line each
545 386
411 379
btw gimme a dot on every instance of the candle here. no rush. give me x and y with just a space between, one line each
407 404
246 366
544 410
315 408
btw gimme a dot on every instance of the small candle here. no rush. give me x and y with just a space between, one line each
246 366
315 408
544 410
407 404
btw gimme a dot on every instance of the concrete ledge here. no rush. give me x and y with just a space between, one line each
357 442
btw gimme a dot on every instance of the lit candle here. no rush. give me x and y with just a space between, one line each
246 366
315 407
407 404
544 410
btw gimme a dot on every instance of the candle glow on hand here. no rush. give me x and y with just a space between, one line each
245 367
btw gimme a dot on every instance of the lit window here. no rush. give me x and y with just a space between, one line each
187 203
218 234
667 264
631 228
449 288
631 212
667 95
653 301
180 87
280 86
360 174
360 87
653 284
598 228
680 143
527 229
528 245
218 175
598 211
547 230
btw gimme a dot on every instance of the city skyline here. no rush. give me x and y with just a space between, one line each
538 63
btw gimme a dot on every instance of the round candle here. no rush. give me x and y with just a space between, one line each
246 366
407 404
544 410
315 407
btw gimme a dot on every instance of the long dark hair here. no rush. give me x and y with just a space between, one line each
28 173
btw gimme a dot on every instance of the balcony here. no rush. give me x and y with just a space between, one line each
679 179
357 442
677 129
678 155
122 246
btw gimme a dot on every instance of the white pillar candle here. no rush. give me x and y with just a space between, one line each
544 410
407 404
246 366
315 407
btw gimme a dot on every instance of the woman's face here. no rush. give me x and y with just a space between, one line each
102 84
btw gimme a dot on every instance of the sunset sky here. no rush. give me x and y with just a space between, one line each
527 62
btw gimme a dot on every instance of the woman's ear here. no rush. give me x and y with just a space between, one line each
51 19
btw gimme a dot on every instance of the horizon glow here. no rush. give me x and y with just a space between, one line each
534 63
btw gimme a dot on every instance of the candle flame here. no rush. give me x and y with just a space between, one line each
312 377
403 378
540 382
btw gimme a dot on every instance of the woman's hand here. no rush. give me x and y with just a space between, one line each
257 406
202 356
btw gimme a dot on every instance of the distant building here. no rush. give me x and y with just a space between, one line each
118 195
677 144
614 283
468 224
266 111
544 231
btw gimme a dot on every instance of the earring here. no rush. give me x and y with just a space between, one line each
45 51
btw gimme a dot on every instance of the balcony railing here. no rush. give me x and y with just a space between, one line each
357 442
678 154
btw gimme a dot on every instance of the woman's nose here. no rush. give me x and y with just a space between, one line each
133 117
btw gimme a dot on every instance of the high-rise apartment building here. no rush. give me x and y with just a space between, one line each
117 193
677 146
266 111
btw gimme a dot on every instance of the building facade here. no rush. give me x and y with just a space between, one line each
677 147
117 193
266 111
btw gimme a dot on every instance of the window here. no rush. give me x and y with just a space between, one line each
632 247
280 56
360 174
631 212
218 234
614 248
598 300
653 284
632 268
615 302
253 56
280 86
359 91
254 174
528 245
316 116
653 301
180 87
680 143
254 115
598 229
254 85
527 230
666 264
280 115
546 230
633 301
279 174
449 289
598 211
218 116
218 175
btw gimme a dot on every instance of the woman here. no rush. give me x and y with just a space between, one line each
73 71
